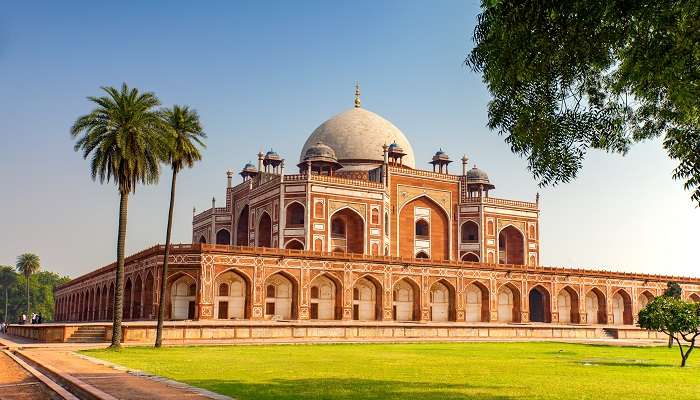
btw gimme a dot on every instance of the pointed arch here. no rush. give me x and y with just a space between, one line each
470 257
126 306
568 305
148 289
469 232
235 302
242 227
281 295
182 301
111 302
295 214
348 231
136 307
643 299
439 228
406 300
263 231
223 236
367 298
508 300
694 297
596 307
442 301
511 245
294 244
477 298
202 240
328 303
622 308
422 254
540 304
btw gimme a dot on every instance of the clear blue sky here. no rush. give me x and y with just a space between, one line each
265 74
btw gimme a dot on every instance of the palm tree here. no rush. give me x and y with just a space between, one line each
28 264
187 134
7 279
124 136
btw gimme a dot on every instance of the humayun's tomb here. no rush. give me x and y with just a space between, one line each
360 235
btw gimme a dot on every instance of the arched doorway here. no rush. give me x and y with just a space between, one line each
138 291
508 304
295 215
280 297
230 301
126 307
242 227
96 311
294 244
644 298
366 300
622 308
596 312
567 306
183 294
263 234
470 232
325 296
477 303
347 231
110 309
406 303
223 236
470 257
511 246
694 297
148 296
539 305
442 302
434 220
202 240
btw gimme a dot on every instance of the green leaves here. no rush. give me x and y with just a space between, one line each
569 76
185 134
124 137
28 264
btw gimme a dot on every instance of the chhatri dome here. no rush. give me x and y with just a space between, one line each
357 137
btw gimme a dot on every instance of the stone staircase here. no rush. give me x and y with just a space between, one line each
609 333
88 334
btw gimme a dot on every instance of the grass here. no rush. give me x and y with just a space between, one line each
422 371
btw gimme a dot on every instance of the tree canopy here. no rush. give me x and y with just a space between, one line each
569 76
41 287
676 318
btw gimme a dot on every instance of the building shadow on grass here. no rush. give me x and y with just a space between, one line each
623 363
347 389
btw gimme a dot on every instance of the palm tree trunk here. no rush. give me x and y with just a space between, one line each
164 272
27 276
119 284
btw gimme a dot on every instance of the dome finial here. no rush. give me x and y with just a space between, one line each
358 103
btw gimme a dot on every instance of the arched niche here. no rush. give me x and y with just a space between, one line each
242 225
596 309
622 308
183 297
367 299
442 302
477 298
539 304
281 293
511 246
232 300
347 231
263 233
470 232
295 214
325 298
508 300
568 306
223 236
406 300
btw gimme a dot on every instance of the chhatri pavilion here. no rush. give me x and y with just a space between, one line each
356 230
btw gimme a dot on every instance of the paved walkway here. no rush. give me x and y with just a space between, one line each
113 383
18 384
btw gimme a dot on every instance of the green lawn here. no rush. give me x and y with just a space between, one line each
425 371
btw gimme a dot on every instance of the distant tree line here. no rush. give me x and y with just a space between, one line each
14 285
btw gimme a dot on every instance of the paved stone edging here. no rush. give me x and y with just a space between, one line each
156 378
75 383
58 389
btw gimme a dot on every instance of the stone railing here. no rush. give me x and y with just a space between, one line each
500 202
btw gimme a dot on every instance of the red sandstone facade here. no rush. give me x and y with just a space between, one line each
360 233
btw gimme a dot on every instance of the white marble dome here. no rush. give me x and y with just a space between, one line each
357 137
